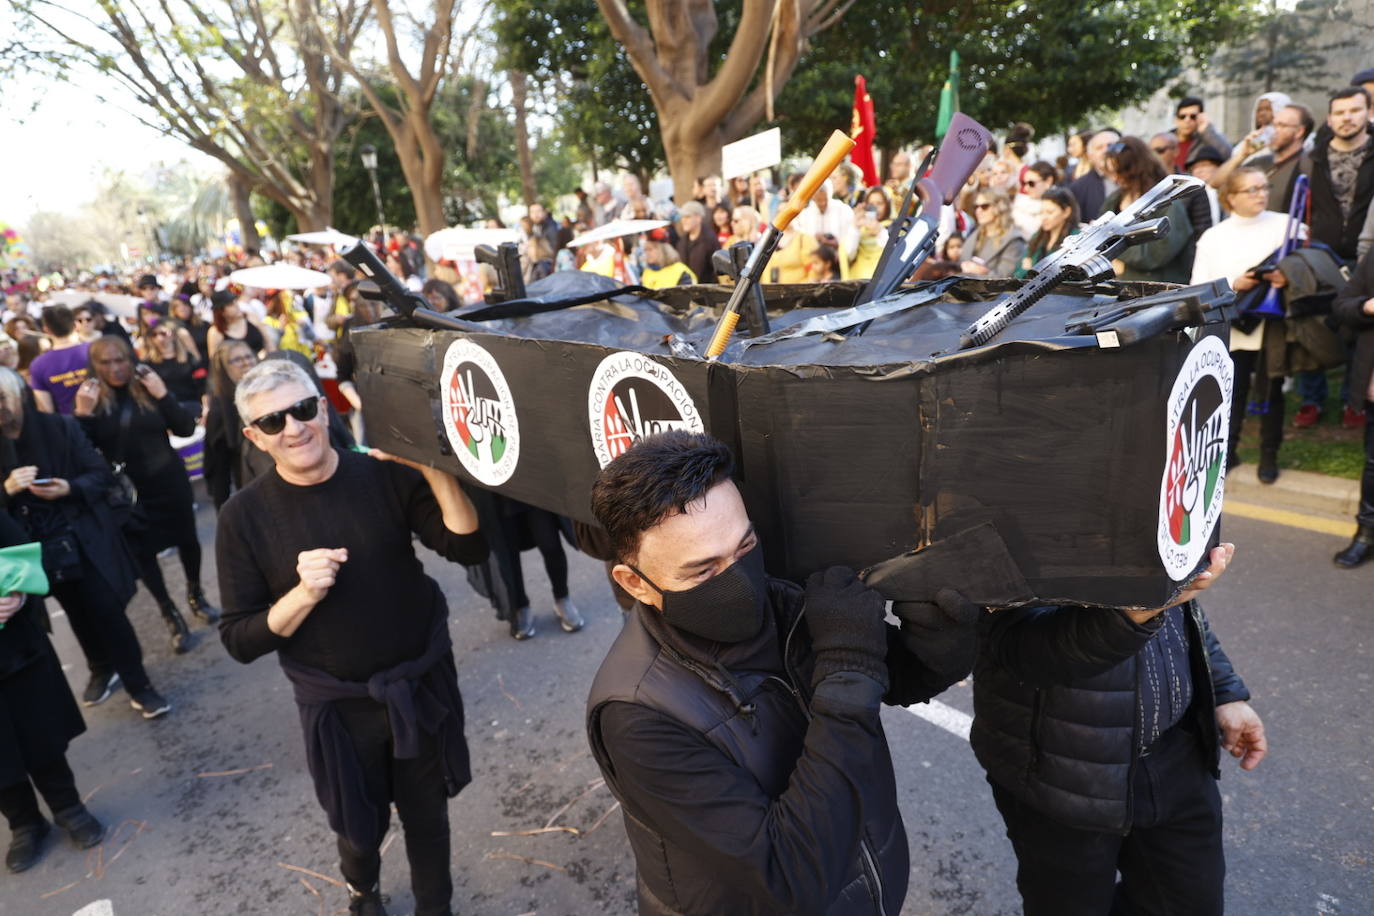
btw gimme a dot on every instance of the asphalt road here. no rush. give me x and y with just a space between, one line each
213 813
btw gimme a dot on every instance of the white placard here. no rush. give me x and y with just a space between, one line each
743 157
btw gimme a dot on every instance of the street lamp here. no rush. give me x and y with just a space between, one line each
369 157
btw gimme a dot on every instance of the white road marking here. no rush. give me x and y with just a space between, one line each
99 908
1328 905
952 720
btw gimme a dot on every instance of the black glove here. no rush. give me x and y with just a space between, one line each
845 619
942 634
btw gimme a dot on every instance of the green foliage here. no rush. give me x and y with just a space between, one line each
601 104
1053 63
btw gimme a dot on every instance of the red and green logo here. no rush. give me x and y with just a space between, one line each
479 413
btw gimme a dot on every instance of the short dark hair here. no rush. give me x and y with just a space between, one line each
58 320
1308 122
340 266
1188 101
1347 92
660 476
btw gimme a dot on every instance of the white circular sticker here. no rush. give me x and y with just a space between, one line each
1199 424
479 413
632 396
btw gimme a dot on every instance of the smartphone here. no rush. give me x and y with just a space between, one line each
42 481
1266 135
143 370
871 211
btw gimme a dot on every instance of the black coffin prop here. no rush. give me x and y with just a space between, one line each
1091 436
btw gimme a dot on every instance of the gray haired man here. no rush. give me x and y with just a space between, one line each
316 563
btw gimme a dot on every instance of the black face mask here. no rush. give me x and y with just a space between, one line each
728 607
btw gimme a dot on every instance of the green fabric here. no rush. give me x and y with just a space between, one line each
21 569
949 97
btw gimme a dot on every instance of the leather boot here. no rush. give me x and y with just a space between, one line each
200 605
176 627
522 623
1268 470
1361 548
26 847
568 616
85 831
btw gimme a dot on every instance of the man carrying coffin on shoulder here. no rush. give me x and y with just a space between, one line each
736 717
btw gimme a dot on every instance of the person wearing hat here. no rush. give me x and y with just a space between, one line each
663 265
1205 209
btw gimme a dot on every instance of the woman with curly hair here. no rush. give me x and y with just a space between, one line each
1136 169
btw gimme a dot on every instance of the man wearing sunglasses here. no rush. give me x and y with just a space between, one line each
316 563
1194 131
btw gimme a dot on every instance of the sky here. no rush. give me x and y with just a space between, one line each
53 157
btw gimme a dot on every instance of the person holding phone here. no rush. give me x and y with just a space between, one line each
1237 249
84 553
127 411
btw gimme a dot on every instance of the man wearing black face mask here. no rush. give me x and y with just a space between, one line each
736 718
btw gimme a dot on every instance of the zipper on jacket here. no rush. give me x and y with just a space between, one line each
870 863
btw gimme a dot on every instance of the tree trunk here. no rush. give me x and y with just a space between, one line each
698 110
243 209
518 91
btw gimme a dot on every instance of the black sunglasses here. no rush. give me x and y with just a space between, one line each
303 410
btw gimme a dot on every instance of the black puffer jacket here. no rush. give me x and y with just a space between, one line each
1055 693
747 794
1349 311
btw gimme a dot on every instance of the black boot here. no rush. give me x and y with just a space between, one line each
176 627
200 605
1361 548
522 623
1268 470
366 903
26 847
85 831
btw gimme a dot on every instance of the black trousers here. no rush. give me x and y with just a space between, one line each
1365 515
54 780
106 637
1271 422
1171 863
543 527
416 788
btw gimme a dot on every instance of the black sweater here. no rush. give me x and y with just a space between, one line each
380 610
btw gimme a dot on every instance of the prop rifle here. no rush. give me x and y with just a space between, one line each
912 237
411 305
836 148
1088 255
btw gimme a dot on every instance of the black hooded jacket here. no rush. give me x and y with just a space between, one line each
743 791
1055 691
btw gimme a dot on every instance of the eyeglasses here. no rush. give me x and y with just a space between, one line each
303 410
1257 189
982 206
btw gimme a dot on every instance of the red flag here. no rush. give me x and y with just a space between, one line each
862 130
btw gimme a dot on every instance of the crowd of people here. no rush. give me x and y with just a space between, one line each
93 403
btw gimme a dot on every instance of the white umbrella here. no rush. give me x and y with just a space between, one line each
616 228
280 276
457 243
120 304
330 236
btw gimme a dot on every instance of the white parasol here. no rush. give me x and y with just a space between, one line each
280 276
329 236
456 243
616 228
120 304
